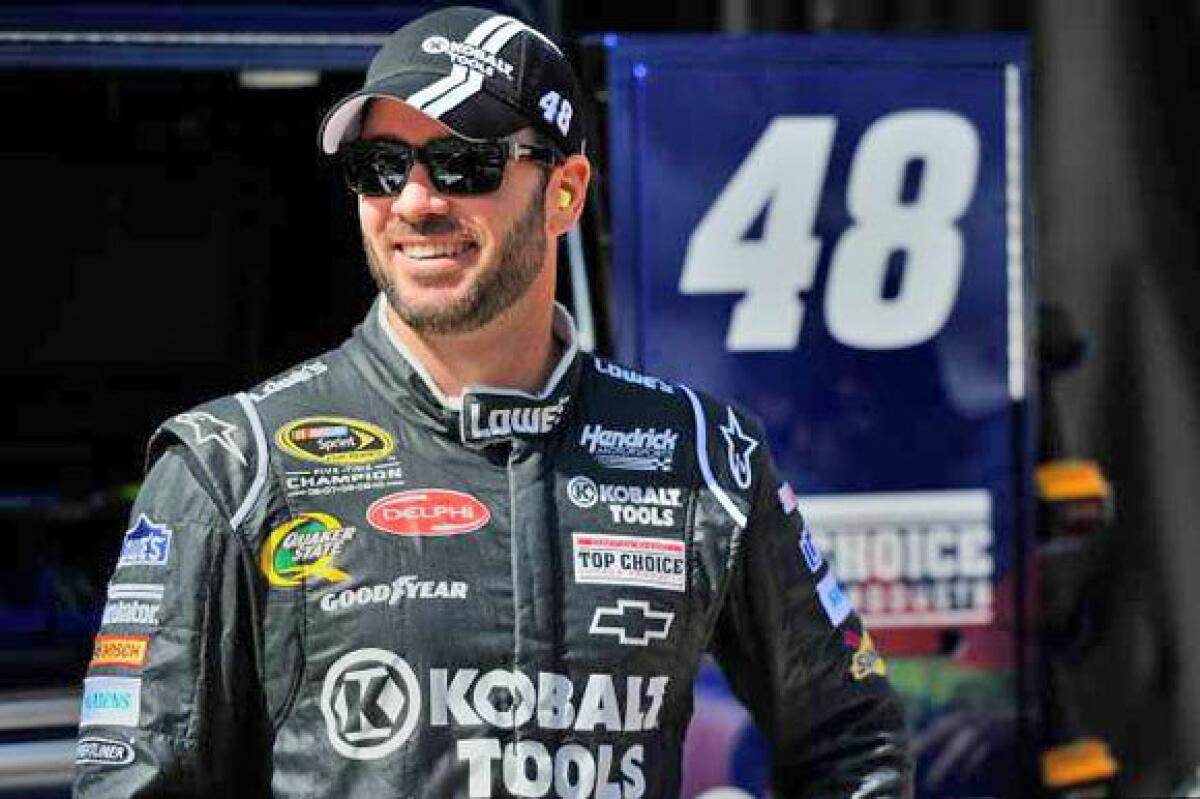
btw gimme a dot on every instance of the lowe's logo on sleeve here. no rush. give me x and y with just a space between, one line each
112 701
146 544
833 599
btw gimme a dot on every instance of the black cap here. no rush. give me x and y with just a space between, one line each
482 74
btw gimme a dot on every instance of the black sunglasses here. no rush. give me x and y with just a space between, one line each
379 167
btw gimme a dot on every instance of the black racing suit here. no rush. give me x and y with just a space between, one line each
338 584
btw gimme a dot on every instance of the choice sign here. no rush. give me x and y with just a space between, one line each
831 232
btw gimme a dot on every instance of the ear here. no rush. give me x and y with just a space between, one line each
566 191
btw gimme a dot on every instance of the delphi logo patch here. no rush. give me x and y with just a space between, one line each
428 511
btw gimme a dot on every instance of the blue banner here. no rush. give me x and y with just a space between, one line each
832 232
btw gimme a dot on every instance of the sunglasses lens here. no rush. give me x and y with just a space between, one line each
462 167
376 168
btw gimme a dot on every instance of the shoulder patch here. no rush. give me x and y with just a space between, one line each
631 377
300 374
226 440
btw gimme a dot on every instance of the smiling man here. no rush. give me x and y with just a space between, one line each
457 556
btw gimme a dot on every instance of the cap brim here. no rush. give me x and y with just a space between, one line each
477 115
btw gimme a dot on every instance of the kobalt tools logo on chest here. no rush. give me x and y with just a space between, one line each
640 449
372 703
486 424
628 504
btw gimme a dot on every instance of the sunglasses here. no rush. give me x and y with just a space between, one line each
380 167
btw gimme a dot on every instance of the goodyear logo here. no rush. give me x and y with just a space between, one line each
120 650
304 550
334 440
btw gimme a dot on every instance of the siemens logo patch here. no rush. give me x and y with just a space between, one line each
111 701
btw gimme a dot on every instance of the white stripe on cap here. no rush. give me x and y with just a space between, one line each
455 97
459 73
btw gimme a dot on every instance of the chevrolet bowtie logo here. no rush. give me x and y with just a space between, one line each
632 622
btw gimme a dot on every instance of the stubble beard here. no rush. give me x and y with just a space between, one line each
495 291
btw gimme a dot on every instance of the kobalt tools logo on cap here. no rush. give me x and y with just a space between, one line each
372 702
304 549
465 54
103 752
652 506
607 559
640 449
335 440
430 511
146 544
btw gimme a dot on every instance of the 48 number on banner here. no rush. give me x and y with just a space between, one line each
786 169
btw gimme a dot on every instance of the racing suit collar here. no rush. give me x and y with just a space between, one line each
483 415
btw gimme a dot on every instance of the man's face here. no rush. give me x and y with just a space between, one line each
450 264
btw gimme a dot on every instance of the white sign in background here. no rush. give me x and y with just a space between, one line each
912 559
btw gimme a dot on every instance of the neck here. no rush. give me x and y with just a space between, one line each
515 350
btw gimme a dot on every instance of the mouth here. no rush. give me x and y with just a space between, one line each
435 250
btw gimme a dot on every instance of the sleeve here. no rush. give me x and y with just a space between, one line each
172 701
797 655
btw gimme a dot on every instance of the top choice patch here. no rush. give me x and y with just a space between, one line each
607 559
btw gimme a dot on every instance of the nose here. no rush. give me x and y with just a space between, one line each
418 199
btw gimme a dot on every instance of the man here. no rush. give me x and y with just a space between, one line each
457 556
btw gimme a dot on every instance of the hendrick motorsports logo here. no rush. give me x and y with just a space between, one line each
304 549
372 704
640 449
335 440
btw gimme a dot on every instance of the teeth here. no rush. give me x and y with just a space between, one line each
445 250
